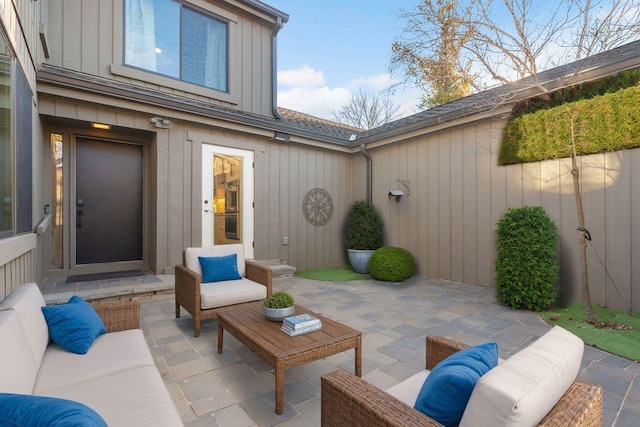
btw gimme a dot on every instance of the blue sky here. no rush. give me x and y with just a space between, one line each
330 49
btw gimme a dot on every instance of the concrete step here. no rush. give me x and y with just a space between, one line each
278 267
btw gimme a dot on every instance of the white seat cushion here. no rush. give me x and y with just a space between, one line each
191 256
110 353
136 397
524 388
407 391
228 292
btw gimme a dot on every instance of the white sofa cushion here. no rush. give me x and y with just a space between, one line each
191 256
526 386
19 369
27 302
407 391
136 397
110 353
220 294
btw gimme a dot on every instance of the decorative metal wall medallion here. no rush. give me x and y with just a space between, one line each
317 206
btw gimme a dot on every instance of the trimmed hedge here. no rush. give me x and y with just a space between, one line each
603 123
526 266
391 264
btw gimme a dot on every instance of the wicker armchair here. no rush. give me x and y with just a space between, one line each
350 401
189 289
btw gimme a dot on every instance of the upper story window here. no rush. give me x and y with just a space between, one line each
174 40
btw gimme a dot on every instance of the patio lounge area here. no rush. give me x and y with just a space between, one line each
235 388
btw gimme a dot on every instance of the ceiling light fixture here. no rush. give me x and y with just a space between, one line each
100 126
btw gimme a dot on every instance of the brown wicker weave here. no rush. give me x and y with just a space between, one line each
120 315
351 401
187 288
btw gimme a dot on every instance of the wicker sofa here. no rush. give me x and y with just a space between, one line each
116 378
206 300
502 397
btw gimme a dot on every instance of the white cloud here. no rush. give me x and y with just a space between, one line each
304 89
373 83
304 76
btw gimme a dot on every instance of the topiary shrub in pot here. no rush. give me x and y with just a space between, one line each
363 235
526 265
391 264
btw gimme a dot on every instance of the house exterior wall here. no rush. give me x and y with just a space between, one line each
458 193
284 173
87 36
19 254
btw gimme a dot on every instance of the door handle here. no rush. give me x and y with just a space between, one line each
79 214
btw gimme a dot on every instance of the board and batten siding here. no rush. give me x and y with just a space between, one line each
284 173
87 36
457 193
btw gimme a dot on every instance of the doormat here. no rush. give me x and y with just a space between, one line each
104 276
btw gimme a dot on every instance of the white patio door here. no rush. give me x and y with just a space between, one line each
227 197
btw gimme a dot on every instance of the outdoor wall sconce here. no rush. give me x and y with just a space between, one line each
397 194
161 122
281 136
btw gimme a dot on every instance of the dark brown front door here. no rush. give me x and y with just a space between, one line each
108 204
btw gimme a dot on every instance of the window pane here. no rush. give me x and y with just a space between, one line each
57 191
204 50
152 36
6 153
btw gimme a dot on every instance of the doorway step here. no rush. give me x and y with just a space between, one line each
278 267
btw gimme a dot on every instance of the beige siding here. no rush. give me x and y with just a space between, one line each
459 193
86 36
19 254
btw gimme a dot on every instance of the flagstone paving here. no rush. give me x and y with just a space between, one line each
236 388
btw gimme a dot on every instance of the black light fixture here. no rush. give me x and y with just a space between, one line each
281 136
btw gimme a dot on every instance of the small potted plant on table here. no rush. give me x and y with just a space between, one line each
278 306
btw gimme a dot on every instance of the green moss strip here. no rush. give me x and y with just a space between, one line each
334 274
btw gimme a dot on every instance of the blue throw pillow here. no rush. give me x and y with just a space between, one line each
219 268
74 325
447 389
26 410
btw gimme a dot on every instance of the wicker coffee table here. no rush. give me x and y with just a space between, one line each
281 351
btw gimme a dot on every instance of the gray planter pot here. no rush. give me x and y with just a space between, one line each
277 314
359 260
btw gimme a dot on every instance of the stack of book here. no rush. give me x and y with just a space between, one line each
300 324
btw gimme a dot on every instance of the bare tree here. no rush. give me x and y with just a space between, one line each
366 111
505 40
431 59
512 41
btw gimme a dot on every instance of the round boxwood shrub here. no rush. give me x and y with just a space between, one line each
391 264
526 265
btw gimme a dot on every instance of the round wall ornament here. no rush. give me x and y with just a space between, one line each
317 206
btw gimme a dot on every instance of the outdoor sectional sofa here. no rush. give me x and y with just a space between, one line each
535 386
116 378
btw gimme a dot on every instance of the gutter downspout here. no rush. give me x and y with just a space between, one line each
274 66
366 154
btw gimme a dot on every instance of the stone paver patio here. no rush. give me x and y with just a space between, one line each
236 388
